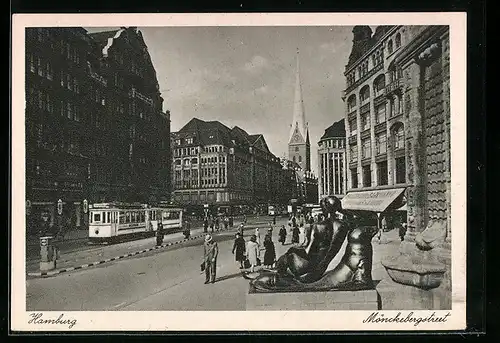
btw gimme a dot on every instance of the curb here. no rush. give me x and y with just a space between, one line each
87 265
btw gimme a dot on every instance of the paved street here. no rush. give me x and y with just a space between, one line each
162 280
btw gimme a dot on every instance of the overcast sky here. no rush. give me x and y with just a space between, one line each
245 76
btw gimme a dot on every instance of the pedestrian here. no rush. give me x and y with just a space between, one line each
205 225
217 227
226 222
187 229
402 231
269 233
244 219
252 252
239 249
270 253
302 234
241 228
210 252
212 225
231 221
274 220
282 235
295 235
257 236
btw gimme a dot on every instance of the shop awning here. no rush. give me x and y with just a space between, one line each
375 200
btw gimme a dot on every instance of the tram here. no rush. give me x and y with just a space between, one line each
112 221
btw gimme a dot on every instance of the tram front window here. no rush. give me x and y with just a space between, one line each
97 217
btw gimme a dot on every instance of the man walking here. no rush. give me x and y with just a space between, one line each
210 252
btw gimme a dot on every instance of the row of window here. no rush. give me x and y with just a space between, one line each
382 174
380 117
43 35
180 141
185 152
332 143
332 178
69 82
380 145
40 67
376 59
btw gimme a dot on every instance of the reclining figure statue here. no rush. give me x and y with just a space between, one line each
303 269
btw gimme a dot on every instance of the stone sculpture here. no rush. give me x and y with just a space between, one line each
304 269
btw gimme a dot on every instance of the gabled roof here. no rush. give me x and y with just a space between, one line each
337 129
214 132
207 132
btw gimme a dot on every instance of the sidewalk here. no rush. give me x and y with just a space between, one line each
104 252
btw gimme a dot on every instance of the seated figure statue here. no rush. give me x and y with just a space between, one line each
303 269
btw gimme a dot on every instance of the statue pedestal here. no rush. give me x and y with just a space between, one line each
327 301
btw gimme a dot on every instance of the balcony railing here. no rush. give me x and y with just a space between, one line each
393 86
135 94
369 74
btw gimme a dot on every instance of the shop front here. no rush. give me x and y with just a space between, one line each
378 204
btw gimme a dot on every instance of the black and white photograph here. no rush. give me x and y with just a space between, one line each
237 172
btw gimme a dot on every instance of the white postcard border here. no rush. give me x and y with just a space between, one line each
236 320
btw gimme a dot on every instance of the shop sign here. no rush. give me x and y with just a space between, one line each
375 201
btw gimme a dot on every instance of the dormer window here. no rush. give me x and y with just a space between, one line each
189 140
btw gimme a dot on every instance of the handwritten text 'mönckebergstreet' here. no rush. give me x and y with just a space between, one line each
377 317
37 318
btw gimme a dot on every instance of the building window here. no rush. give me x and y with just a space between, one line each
380 113
49 71
367 148
398 40
351 78
296 149
41 69
390 48
354 178
300 158
365 121
294 159
379 85
399 138
32 63
367 176
382 173
189 140
381 143
351 103
353 126
364 95
400 170
354 153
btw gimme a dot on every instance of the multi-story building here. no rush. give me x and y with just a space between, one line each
95 130
398 125
301 185
213 164
332 178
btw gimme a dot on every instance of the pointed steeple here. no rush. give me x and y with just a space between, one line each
299 115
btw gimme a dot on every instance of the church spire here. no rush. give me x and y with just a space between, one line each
299 115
